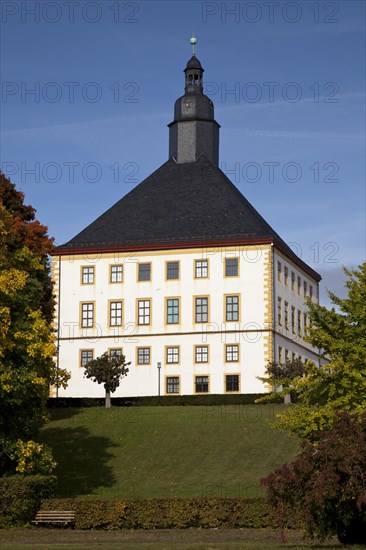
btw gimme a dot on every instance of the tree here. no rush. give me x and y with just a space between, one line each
280 377
109 371
26 335
338 383
325 486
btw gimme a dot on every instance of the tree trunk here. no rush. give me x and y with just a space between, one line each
107 399
287 399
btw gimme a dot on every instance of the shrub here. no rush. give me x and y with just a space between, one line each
21 497
325 486
154 400
167 513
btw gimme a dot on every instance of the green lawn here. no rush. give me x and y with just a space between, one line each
165 451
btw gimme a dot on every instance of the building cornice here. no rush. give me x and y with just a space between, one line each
65 250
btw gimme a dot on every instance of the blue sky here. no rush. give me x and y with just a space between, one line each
286 78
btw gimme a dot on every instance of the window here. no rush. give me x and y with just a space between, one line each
232 308
310 292
144 272
231 267
172 311
86 355
299 322
172 355
279 311
116 274
232 382
293 280
172 270
286 314
305 323
279 271
232 353
143 312
87 315
201 384
293 356
293 326
115 353
87 275
287 355
280 355
201 310
115 314
286 275
201 354
299 285
201 269
143 356
172 384
305 288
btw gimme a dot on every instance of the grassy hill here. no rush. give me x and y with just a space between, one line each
165 451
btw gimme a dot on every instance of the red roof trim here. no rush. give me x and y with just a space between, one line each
71 251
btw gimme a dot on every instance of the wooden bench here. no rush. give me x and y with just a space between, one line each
59 517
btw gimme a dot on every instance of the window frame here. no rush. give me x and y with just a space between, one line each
279 311
279 271
144 364
286 315
111 273
196 346
226 296
138 300
166 313
226 374
83 350
167 376
88 303
110 302
234 258
195 313
166 355
226 352
167 278
195 384
195 267
88 267
139 265
110 350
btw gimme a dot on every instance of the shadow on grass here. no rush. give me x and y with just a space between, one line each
82 460
62 414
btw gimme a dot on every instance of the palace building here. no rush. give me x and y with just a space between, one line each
183 276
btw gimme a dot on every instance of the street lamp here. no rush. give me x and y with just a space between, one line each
159 367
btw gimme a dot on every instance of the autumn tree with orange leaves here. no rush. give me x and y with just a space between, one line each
26 335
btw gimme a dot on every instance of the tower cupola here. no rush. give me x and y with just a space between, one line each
194 131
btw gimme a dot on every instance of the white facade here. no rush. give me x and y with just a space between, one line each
212 331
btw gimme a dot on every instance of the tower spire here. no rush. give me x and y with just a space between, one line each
194 131
193 42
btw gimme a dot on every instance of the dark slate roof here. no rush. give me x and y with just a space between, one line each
193 63
178 203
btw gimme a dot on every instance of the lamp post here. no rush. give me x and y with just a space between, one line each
159 368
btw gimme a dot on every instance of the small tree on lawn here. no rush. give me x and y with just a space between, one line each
109 371
281 377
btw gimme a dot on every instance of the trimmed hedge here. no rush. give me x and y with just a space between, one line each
167 513
154 400
21 497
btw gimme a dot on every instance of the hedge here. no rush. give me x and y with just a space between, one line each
167 513
21 497
154 400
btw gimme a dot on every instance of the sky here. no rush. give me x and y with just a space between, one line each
88 89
